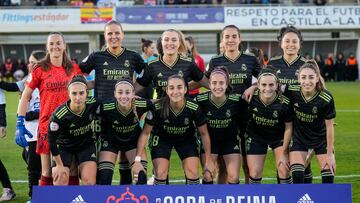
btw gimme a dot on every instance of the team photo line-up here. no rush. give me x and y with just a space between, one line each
224 117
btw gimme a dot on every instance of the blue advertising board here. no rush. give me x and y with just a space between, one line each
301 193
164 15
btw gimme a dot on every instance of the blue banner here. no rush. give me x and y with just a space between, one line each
304 193
161 15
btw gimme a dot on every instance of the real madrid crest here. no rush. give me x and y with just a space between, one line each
243 67
149 115
186 121
181 73
314 110
275 114
228 113
105 143
127 63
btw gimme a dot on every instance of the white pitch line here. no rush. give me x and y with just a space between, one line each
180 181
348 110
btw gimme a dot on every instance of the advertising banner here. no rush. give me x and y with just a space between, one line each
39 17
300 193
311 17
161 15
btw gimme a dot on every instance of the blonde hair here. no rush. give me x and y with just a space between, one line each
182 48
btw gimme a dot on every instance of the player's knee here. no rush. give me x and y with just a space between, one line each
88 180
255 173
46 172
283 172
232 177
327 176
297 171
61 181
161 173
191 173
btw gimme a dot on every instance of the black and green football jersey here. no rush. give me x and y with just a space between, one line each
109 68
69 130
177 125
310 115
121 126
158 73
240 69
287 72
267 121
221 118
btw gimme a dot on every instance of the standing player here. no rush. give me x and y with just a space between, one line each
172 126
31 121
221 108
120 123
171 62
113 63
290 41
51 77
70 134
287 65
314 111
270 125
242 66
110 65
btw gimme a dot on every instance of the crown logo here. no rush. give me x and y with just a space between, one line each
127 197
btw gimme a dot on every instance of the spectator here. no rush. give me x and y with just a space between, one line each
74 61
171 2
266 59
352 68
20 70
340 67
7 70
202 1
259 54
320 2
329 67
185 1
319 60
191 48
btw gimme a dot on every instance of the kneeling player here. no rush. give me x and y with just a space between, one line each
172 126
221 109
121 130
70 135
